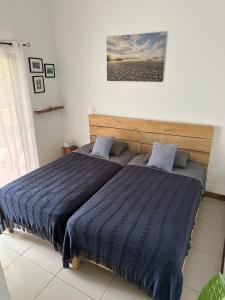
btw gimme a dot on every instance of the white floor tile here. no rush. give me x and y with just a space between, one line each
44 254
58 290
4 295
7 255
212 212
3 286
18 240
25 279
199 268
208 238
188 294
121 289
90 279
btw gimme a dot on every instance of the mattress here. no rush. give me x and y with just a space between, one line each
138 225
122 159
194 169
42 201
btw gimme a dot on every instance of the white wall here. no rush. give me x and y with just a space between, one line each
28 20
194 86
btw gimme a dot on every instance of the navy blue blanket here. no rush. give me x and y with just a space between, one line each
139 225
43 200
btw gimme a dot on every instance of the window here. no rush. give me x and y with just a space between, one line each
18 152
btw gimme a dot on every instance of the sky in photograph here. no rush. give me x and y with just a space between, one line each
147 46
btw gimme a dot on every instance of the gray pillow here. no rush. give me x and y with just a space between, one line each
118 147
181 159
163 156
102 146
89 147
146 158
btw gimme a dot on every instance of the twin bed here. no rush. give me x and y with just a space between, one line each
119 213
42 201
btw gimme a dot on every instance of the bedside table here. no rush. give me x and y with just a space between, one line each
67 150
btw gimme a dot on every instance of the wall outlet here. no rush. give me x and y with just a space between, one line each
93 108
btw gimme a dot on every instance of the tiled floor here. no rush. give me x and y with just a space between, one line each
33 269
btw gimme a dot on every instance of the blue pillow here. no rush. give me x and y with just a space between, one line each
102 146
162 156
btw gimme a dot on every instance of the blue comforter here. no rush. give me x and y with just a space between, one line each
139 225
43 200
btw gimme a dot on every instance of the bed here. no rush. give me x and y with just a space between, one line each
139 223
42 201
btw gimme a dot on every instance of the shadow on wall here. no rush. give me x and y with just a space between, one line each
213 176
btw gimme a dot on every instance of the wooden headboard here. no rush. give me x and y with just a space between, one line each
140 134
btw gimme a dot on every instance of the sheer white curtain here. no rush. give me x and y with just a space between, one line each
18 151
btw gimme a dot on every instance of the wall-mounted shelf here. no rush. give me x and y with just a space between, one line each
48 109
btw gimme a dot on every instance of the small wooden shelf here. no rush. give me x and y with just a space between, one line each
67 150
48 109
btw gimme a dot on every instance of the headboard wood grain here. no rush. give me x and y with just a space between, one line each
140 134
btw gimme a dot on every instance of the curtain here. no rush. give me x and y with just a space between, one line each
18 150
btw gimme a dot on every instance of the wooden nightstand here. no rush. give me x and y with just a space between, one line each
67 150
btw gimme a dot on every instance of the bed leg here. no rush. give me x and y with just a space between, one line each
75 263
10 229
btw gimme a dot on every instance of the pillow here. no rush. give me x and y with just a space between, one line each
146 158
118 147
163 156
89 147
102 146
181 159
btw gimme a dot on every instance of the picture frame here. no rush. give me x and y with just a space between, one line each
136 57
36 65
49 70
38 84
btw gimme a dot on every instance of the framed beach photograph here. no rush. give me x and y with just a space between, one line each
38 84
136 57
49 70
36 65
